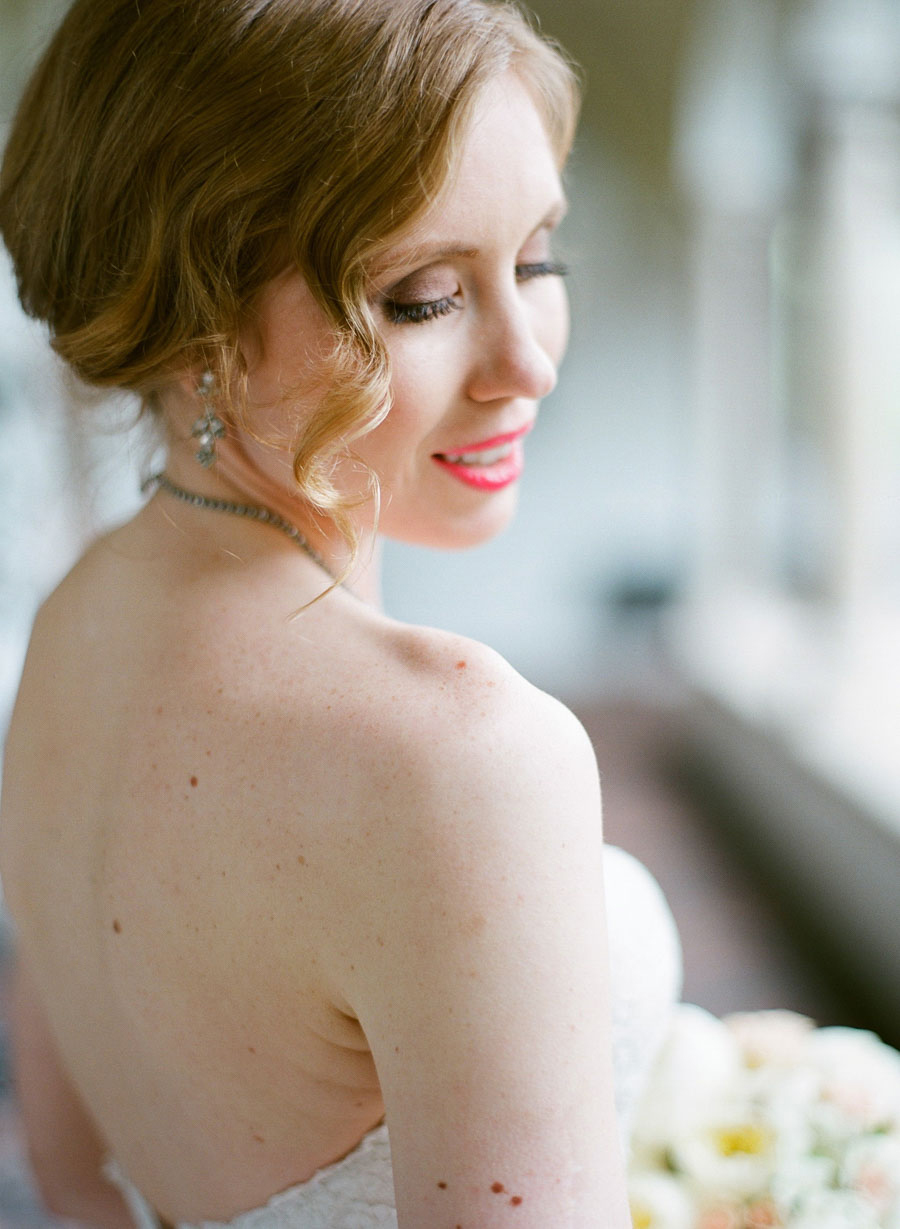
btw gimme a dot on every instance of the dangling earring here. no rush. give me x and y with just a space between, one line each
209 427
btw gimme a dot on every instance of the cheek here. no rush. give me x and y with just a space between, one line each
397 441
554 324
425 381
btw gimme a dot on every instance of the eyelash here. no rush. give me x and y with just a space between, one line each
419 313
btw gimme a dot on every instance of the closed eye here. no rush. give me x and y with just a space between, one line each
432 309
418 313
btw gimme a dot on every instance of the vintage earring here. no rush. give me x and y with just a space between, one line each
209 427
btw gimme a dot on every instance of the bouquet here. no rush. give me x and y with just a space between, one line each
763 1121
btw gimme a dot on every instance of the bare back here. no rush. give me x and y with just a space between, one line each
187 773
249 857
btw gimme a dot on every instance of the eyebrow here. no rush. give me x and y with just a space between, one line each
429 253
433 251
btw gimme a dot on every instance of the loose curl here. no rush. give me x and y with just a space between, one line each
170 157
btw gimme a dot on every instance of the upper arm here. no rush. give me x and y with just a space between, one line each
480 972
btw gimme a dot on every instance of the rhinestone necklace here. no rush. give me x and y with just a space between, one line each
252 512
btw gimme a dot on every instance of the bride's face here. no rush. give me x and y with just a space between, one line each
473 313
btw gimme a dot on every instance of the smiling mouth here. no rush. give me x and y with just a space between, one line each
487 469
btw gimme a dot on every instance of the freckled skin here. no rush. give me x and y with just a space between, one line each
365 656
515 1201
442 1186
498 1188
117 926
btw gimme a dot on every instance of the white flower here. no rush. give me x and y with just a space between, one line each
730 1158
792 1104
770 1038
766 1121
699 1063
860 1074
835 1210
872 1169
659 1202
794 1179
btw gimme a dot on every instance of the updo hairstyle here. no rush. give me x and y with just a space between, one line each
170 157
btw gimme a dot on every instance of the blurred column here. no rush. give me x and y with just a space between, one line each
847 54
847 60
734 160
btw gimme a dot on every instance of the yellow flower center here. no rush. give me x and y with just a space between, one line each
747 1139
641 1218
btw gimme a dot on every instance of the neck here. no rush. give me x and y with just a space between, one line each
237 477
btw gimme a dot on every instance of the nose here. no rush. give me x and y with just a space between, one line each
511 361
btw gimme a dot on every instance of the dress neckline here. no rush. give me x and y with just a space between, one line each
146 1217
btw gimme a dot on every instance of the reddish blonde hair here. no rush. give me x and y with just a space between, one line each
170 157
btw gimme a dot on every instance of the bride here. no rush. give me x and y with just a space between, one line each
281 867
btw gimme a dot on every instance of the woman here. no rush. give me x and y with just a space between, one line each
294 865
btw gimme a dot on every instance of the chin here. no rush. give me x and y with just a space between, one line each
453 533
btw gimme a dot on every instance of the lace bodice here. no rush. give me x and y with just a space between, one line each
645 965
355 1193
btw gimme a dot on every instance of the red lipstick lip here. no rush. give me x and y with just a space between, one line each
496 441
487 477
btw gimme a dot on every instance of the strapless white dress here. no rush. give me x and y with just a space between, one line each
357 1192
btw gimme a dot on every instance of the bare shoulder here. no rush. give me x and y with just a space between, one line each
464 706
466 757
471 775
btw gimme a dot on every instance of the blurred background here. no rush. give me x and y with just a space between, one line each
706 564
